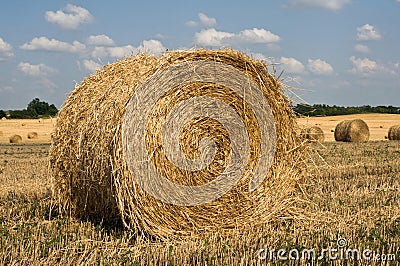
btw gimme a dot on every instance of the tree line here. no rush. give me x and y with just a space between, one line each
326 110
35 109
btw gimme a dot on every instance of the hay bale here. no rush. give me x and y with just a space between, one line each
110 145
4 118
32 135
394 132
23 124
352 131
40 120
15 139
313 133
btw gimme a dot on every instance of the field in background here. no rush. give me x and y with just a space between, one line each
379 125
22 127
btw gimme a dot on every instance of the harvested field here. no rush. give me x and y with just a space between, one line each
353 191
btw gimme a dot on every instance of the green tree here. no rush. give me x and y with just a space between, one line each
2 114
38 107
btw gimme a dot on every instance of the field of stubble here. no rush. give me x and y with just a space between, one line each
352 191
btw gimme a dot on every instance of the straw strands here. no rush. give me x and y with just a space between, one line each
352 131
394 132
180 144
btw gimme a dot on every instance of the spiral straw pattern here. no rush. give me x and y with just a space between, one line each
181 144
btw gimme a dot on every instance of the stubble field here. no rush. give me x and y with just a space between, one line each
351 193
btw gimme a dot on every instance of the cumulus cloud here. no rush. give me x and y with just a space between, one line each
327 4
319 67
5 50
212 37
368 32
361 48
40 70
70 18
147 46
100 40
45 44
364 66
91 65
205 20
292 65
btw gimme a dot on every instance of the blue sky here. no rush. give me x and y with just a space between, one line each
343 52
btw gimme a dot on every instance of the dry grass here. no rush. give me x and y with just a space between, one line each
353 189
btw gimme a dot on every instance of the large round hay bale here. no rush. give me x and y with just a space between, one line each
179 144
4 118
15 139
352 131
394 132
313 133
32 135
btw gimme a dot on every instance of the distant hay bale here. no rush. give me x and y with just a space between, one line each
15 139
352 131
313 133
32 135
394 132
4 118
186 120
23 124
40 120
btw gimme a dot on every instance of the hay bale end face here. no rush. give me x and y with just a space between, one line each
352 131
94 168
313 133
32 135
15 139
394 132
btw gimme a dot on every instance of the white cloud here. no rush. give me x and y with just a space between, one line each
91 65
368 32
191 23
152 47
212 37
361 48
40 70
207 21
43 43
292 65
71 19
364 66
100 40
5 50
328 4
258 36
147 46
319 67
